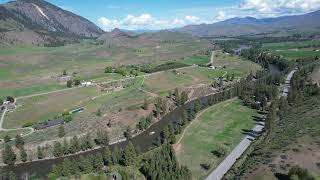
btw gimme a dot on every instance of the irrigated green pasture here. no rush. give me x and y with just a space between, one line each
220 126
294 50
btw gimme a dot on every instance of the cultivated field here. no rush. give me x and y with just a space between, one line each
28 70
220 126
226 65
295 50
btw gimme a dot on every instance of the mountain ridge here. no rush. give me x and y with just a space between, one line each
249 25
40 15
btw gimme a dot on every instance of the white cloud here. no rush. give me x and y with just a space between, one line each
108 24
221 16
143 19
279 7
253 8
146 21
192 19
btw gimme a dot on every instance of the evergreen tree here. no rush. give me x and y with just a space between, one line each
23 155
57 149
61 131
184 117
19 141
40 153
107 157
128 134
66 148
9 157
102 138
69 83
7 139
98 162
172 137
162 164
74 145
165 135
12 176
184 97
145 104
197 105
129 155
116 155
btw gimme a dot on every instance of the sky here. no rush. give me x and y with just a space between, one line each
165 14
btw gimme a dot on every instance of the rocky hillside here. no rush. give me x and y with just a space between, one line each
41 15
248 26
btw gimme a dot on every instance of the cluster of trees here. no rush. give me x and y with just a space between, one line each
96 162
144 123
8 98
301 87
161 107
123 70
180 99
257 93
75 82
258 55
8 154
146 68
77 144
162 164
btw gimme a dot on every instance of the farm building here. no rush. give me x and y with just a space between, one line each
80 109
47 124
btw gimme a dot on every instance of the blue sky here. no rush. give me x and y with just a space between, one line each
162 14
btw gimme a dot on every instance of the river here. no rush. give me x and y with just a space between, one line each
144 141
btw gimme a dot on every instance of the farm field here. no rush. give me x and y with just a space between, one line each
227 64
45 107
115 108
34 67
219 126
294 50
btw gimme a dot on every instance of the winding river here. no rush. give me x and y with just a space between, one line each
144 141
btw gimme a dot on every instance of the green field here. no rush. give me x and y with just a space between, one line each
227 64
27 70
219 126
198 60
162 82
294 50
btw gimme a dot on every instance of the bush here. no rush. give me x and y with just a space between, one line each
28 124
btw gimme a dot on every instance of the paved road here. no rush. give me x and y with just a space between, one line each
286 85
228 162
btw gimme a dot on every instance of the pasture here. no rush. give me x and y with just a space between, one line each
27 67
217 127
294 50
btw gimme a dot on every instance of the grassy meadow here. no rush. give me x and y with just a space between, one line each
219 126
294 50
27 70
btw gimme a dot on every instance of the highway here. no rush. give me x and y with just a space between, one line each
229 161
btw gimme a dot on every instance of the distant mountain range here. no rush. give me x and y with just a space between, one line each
248 26
37 22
